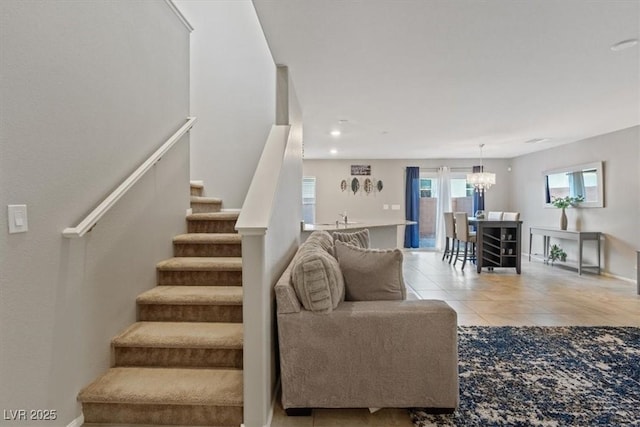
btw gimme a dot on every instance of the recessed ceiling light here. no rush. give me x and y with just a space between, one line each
335 133
624 44
537 140
333 151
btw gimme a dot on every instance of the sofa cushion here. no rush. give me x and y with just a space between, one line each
319 239
317 280
361 236
371 274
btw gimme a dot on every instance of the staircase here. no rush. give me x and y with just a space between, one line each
181 363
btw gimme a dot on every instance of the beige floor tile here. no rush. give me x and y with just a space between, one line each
386 417
460 307
422 284
508 307
433 294
509 319
472 319
467 295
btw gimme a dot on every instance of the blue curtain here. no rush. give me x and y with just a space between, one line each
478 196
412 207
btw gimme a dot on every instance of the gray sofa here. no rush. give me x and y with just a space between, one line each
362 354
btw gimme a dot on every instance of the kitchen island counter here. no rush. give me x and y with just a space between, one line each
383 234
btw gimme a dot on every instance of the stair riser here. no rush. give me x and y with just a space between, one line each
178 357
211 226
196 192
200 278
190 313
220 416
206 250
205 207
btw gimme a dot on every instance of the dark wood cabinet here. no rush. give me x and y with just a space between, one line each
498 244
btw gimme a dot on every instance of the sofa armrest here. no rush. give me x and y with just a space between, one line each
370 354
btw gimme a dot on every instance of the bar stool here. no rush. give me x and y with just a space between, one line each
450 236
464 236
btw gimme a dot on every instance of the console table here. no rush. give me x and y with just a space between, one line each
579 236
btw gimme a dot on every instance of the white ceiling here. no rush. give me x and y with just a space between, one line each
436 78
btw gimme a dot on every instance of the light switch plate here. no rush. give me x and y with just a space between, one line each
18 222
395 207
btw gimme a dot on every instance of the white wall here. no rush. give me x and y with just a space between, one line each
331 200
232 94
619 220
89 90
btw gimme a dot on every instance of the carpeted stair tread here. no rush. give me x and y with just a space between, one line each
204 199
201 204
196 188
192 295
214 216
181 335
166 386
201 264
208 238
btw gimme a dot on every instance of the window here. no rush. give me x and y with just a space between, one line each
309 199
428 187
461 194
460 188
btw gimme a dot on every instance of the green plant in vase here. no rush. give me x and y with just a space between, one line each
563 203
556 253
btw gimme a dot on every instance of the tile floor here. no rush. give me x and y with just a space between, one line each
542 295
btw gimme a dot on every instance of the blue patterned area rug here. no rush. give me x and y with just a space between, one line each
545 376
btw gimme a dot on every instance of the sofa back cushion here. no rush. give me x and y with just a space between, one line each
357 238
371 274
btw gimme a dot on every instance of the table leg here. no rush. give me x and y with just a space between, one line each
580 256
530 238
545 250
598 244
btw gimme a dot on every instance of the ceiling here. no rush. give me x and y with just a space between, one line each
435 78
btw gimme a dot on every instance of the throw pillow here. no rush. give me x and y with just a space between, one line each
321 239
362 237
317 280
371 274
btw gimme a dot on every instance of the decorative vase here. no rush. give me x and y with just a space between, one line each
563 220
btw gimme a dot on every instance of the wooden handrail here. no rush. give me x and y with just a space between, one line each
90 221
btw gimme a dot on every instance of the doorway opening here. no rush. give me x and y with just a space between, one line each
461 201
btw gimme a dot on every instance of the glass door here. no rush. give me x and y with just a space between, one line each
461 201
428 207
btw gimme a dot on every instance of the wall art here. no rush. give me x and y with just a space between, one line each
360 169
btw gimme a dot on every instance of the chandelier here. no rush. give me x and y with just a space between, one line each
482 180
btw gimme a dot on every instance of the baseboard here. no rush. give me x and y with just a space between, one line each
276 390
77 422
230 210
625 279
274 399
